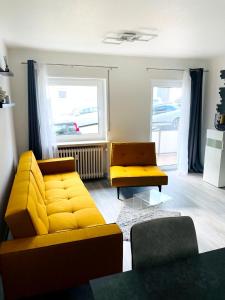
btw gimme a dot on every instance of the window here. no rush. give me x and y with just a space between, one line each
78 108
165 120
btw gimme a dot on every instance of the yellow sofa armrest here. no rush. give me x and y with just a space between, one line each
60 260
57 165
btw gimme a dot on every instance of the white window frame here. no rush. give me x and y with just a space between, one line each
101 102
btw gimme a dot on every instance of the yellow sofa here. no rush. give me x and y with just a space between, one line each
134 164
60 238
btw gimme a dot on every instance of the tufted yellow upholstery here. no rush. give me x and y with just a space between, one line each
45 204
60 238
28 162
26 212
68 203
134 164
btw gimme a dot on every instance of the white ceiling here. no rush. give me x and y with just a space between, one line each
187 28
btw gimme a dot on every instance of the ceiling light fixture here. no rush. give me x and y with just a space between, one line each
128 36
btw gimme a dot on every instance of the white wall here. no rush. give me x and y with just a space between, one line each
8 155
130 94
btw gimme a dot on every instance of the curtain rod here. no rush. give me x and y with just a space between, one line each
173 69
71 65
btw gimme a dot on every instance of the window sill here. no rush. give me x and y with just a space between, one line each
82 143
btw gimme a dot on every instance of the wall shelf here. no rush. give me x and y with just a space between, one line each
7 73
8 105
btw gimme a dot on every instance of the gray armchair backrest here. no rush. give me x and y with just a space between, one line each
163 240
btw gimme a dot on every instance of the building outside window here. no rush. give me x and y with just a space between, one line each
78 109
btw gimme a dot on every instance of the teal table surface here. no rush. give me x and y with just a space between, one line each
198 277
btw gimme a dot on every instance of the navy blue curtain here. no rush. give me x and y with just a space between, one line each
194 138
34 128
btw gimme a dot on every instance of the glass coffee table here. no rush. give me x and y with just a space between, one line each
143 206
146 199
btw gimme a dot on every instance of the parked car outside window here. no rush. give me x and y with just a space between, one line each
86 117
166 116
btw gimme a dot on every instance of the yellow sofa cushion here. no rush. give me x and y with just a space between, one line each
68 203
26 212
137 176
28 162
133 154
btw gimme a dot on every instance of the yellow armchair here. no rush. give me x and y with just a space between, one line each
134 164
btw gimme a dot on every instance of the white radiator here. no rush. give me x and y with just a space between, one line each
89 160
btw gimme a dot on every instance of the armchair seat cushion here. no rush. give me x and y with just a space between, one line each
137 176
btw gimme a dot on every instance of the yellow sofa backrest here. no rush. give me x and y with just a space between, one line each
28 162
26 211
133 154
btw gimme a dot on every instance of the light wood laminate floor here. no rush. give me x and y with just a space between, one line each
190 195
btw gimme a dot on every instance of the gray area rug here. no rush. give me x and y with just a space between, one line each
129 216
